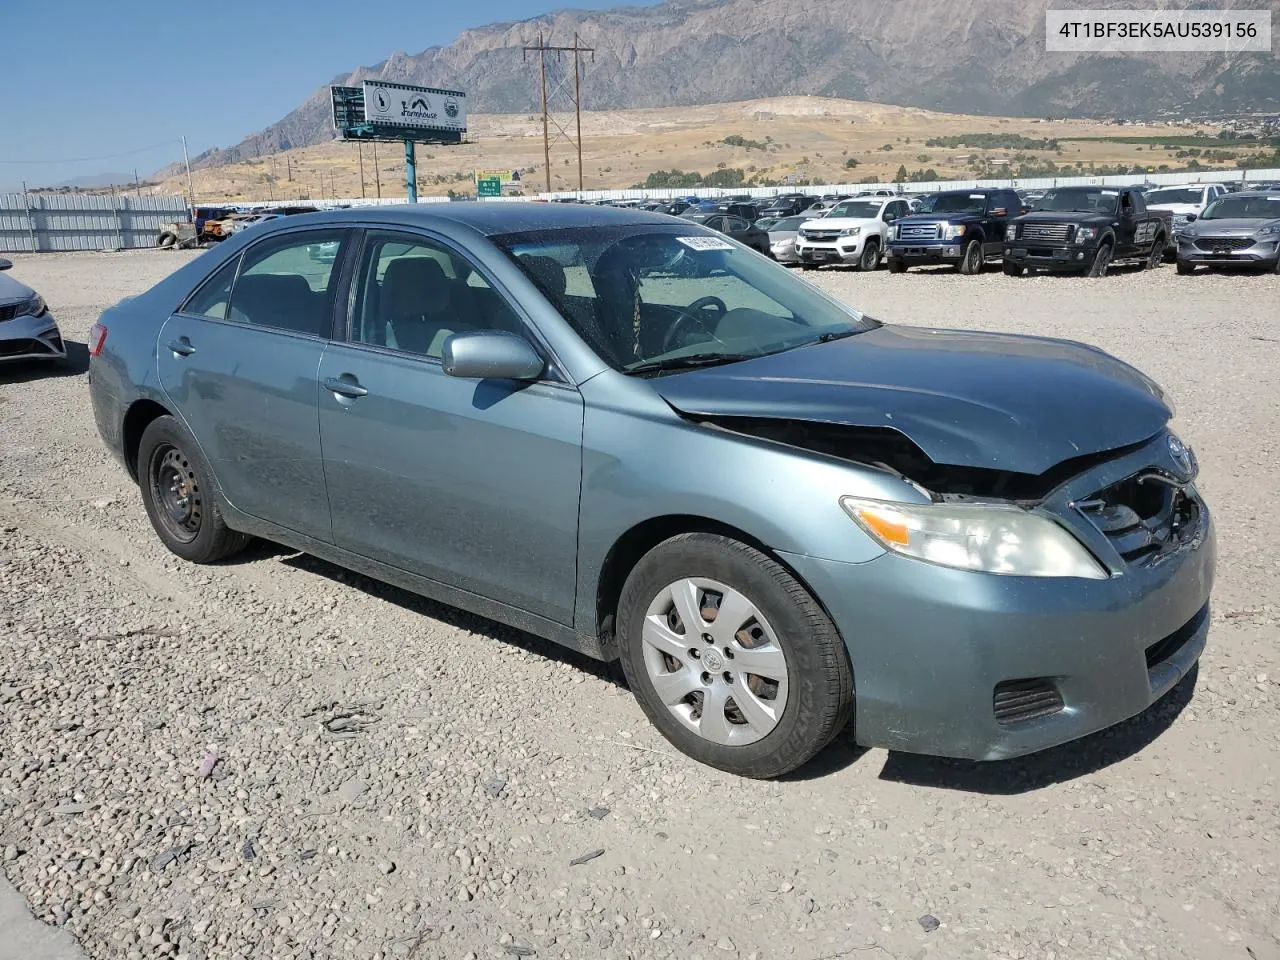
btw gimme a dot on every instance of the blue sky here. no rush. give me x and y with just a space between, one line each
109 85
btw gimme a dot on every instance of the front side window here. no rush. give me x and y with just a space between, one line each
412 293
652 299
286 283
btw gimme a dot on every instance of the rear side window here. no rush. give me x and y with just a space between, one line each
286 283
214 295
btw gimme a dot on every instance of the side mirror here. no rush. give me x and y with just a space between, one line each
1191 217
491 355
5 264
1000 212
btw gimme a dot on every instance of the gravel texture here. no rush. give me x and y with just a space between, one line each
276 758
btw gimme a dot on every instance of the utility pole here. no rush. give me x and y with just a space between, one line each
542 49
137 184
360 151
377 174
191 189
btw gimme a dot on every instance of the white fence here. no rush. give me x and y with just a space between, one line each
35 222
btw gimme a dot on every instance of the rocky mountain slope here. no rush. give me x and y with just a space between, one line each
971 56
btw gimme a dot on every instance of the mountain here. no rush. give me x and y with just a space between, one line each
970 56
96 180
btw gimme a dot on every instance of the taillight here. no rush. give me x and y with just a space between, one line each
97 339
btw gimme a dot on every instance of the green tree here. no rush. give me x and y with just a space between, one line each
901 175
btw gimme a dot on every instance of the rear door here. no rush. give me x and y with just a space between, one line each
238 362
472 483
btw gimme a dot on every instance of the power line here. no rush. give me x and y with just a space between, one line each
106 156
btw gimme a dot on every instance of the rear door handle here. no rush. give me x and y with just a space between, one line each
345 388
182 347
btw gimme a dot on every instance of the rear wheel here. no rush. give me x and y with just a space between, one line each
731 658
971 261
1186 269
1156 256
897 266
178 493
870 258
1101 262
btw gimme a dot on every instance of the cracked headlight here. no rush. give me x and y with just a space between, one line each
991 538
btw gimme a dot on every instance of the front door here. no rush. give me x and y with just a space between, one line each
473 483
239 361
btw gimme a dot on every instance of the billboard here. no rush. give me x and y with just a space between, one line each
505 176
415 108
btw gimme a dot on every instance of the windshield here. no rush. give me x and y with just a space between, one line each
1243 208
954 203
1080 200
661 296
1175 195
856 209
786 224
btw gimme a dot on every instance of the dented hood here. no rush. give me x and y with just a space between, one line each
967 399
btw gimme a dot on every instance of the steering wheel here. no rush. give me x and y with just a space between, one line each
689 315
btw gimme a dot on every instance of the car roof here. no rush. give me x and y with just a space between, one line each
1257 193
489 219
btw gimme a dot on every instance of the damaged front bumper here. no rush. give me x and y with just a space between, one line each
982 666
31 338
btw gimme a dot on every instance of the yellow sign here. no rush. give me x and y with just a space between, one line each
504 176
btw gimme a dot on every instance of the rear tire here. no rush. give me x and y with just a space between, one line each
178 492
800 700
1156 256
972 260
1186 269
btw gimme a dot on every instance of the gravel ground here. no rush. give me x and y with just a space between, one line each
397 779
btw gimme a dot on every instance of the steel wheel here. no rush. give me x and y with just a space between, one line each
176 490
715 661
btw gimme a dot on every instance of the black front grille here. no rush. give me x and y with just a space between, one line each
17 348
8 311
1144 515
1016 701
1213 244
1045 231
1164 649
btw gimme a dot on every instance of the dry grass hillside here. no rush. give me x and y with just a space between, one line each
810 138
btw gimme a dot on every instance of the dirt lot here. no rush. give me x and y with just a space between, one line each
396 779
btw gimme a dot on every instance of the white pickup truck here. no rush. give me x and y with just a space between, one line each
1186 202
854 232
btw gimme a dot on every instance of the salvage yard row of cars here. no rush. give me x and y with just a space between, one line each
1074 229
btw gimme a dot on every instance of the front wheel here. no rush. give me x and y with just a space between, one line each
971 261
1186 269
1014 270
731 658
870 258
1101 262
897 266
178 493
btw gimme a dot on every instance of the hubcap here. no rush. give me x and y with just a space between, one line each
714 661
177 493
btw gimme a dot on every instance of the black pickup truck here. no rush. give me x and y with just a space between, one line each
963 228
1084 230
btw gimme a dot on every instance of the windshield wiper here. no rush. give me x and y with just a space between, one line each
689 362
834 335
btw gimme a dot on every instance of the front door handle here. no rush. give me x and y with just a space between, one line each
344 387
182 347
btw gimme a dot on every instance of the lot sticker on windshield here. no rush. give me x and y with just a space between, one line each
1110 193
977 196
705 243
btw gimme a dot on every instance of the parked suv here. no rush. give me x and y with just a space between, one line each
1240 229
1084 230
854 231
963 228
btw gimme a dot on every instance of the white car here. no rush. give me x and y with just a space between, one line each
854 231
1186 203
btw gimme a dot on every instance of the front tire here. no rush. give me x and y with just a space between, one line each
1101 261
731 658
897 266
870 257
1013 270
178 493
1186 269
971 261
